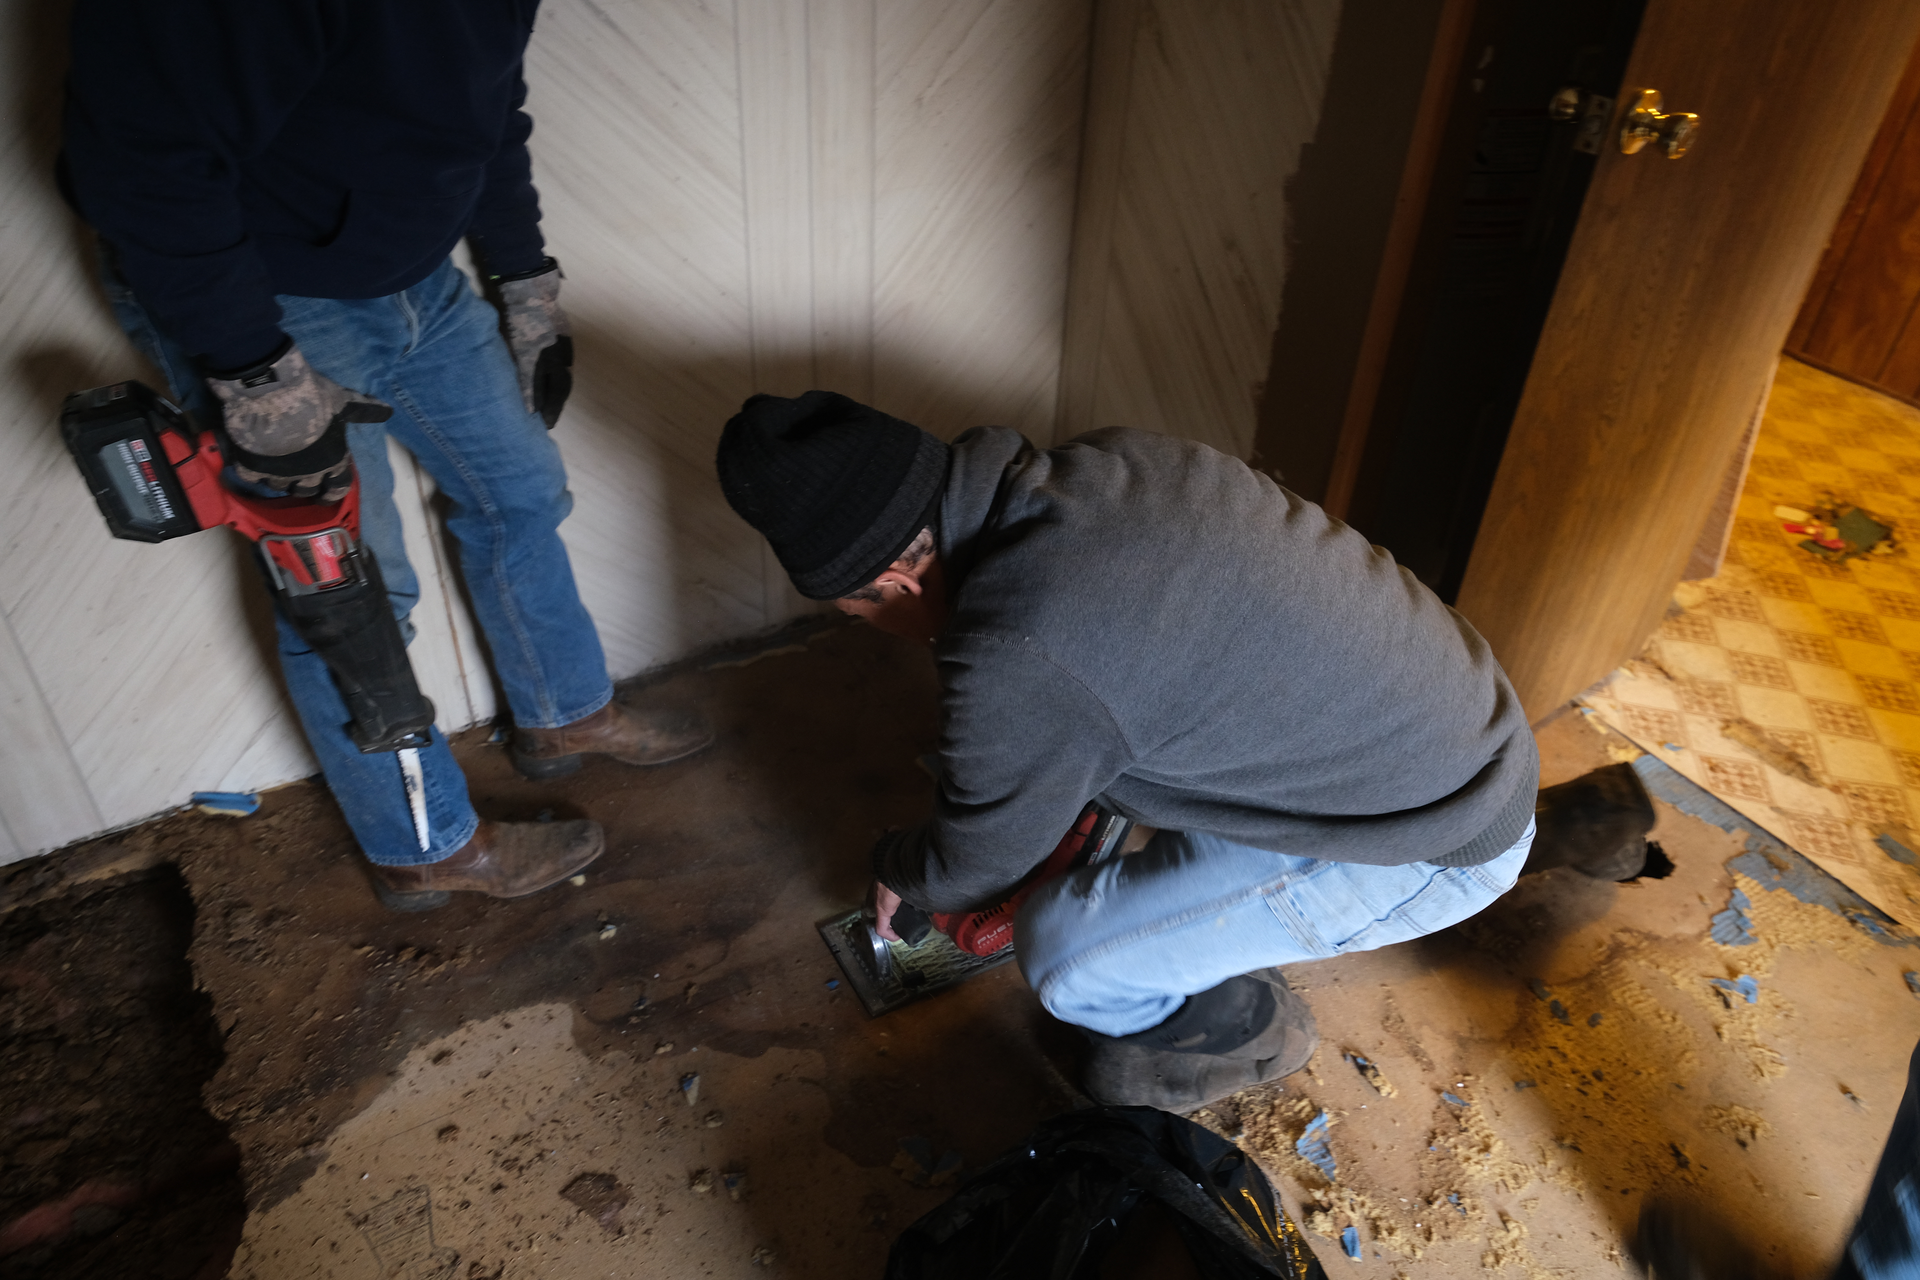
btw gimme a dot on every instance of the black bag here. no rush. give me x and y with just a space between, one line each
1053 1208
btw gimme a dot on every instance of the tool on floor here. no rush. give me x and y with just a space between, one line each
942 950
155 477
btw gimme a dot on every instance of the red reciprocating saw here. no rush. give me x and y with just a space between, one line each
156 477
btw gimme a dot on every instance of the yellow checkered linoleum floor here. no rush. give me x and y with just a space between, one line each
1790 687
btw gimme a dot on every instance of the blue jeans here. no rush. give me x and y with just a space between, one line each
434 352
1117 947
1885 1244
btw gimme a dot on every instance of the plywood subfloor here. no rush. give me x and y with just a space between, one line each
1788 686
423 1092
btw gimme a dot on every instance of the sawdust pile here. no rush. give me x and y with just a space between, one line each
1506 1245
1782 920
1471 1152
1370 1072
1740 1123
1403 1228
1617 1054
1631 1063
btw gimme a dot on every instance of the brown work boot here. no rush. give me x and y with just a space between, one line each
503 860
1597 824
1246 1031
628 735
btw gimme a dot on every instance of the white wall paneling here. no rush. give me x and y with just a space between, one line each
976 135
746 194
129 674
874 196
1199 109
42 794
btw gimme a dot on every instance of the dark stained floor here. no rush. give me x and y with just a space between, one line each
658 1073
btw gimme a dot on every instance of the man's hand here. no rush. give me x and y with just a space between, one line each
539 337
286 425
884 902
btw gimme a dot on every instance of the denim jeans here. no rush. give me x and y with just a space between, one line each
434 352
1885 1244
1117 947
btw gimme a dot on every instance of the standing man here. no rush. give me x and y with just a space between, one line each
1332 757
277 188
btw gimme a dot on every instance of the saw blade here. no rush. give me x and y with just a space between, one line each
886 975
413 779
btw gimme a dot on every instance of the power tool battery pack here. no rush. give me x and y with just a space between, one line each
119 435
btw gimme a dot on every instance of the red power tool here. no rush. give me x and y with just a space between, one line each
1095 836
156 477
942 950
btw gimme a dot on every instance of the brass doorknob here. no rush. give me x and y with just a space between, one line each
1671 131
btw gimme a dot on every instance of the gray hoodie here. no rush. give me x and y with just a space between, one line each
1144 618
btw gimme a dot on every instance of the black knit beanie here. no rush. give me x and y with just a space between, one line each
839 490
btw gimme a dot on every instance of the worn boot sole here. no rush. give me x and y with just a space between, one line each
395 900
514 861
1122 1073
547 768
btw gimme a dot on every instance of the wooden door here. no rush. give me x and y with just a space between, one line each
1861 318
1677 292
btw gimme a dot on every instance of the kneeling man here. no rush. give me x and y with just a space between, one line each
1332 757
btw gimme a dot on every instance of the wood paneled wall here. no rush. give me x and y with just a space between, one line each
746 195
1859 317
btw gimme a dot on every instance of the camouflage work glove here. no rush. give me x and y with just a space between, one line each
539 337
285 425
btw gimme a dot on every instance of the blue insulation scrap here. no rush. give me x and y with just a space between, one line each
1744 985
228 804
1312 1145
1734 927
1453 1097
1897 851
1350 1241
1770 861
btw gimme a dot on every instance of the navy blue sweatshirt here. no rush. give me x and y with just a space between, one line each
230 150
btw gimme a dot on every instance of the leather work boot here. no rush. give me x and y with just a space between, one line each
1246 1031
1597 824
628 735
503 860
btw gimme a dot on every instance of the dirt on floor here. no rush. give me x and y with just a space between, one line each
109 1163
660 1072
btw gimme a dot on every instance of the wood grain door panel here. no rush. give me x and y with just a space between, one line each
1680 285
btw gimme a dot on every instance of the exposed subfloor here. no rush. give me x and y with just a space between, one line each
659 1073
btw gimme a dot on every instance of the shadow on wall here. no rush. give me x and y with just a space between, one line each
665 567
649 421
38 40
1340 203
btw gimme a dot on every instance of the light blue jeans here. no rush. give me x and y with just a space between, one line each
1117 947
433 352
